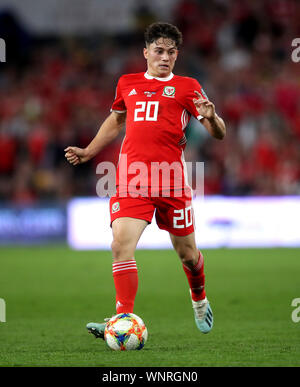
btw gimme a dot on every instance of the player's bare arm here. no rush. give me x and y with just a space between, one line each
212 122
108 131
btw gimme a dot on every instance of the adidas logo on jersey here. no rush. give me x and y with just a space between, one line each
133 92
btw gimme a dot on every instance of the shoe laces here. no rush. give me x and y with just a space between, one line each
200 308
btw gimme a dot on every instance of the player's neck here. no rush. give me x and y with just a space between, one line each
163 77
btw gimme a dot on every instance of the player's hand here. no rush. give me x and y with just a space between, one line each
76 155
204 107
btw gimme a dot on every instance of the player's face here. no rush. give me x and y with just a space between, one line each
161 56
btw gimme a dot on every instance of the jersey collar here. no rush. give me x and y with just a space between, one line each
146 75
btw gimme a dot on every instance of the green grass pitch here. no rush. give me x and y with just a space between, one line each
52 292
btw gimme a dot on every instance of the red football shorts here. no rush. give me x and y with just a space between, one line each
173 214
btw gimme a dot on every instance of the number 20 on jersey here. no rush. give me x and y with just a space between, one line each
146 111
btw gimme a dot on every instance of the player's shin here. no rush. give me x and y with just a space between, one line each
196 278
125 277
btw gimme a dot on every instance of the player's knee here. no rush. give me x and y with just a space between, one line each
121 250
116 248
187 256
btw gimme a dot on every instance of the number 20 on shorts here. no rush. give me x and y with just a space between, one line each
184 218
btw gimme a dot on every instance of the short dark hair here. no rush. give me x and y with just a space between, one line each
163 30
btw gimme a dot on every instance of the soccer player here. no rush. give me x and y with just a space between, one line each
156 106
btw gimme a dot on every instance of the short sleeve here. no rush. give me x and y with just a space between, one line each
119 103
190 94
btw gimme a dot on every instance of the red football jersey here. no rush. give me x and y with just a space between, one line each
158 111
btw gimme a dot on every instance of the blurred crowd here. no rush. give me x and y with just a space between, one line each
58 91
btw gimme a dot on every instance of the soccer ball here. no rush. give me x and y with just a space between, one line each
125 332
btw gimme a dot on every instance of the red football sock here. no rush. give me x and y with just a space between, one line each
126 283
196 279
